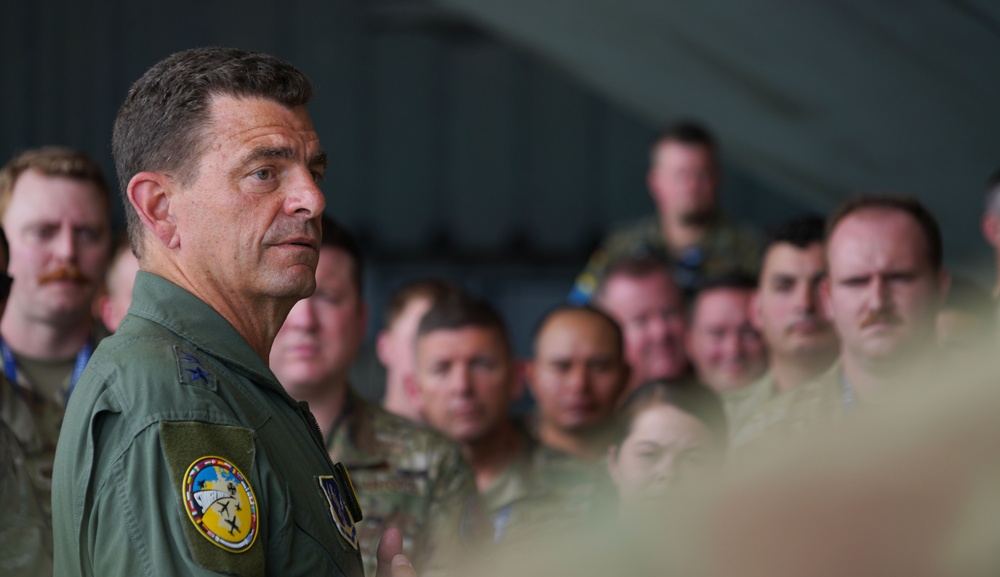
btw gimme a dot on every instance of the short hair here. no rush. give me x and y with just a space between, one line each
431 289
902 203
687 132
459 309
53 161
163 123
731 279
632 267
800 232
336 236
616 330
688 396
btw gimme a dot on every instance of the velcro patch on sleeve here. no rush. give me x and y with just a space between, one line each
210 468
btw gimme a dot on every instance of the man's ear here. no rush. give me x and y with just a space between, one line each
413 392
150 194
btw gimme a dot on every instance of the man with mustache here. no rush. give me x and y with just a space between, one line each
884 286
55 207
788 311
181 454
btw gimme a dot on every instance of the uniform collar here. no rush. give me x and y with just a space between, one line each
163 302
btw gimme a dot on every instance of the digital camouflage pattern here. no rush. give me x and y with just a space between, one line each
25 529
410 477
35 420
726 248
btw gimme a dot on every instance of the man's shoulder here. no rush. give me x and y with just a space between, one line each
807 405
636 238
741 402
371 431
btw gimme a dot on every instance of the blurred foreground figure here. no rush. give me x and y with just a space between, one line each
885 284
405 475
910 488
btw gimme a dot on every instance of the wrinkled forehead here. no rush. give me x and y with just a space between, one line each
877 235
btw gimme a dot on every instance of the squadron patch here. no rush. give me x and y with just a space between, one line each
221 503
339 508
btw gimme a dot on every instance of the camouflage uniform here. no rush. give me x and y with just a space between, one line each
405 476
814 403
25 529
35 420
543 491
725 248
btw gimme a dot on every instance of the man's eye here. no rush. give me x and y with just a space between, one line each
263 174
317 176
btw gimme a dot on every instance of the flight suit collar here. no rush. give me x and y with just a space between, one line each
158 300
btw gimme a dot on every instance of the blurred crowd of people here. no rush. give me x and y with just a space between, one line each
688 342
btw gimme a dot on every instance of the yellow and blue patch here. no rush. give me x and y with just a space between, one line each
221 504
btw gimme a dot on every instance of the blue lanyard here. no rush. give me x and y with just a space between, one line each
10 367
847 396
500 522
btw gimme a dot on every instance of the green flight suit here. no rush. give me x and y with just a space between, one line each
181 454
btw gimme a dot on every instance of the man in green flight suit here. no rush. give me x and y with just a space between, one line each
181 454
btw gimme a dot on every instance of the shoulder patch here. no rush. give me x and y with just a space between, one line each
211 468
191 371
221 504
343 501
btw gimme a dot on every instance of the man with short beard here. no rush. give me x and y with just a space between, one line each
885 284
55 207
688 229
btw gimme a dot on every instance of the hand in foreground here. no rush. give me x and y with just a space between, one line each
391 561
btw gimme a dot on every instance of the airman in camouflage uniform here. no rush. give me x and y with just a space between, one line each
688 231
55 209
409 477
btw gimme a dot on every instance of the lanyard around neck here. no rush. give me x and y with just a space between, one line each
10 367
